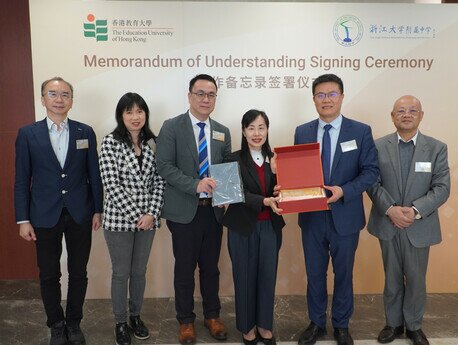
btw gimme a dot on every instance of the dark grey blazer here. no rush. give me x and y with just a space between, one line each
178 164
426 190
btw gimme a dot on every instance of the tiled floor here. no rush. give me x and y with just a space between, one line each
22 319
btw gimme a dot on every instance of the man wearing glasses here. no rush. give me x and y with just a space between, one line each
58 192
350 166
414 181
187 145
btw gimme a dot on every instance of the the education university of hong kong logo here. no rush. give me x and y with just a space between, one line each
348 30
97 28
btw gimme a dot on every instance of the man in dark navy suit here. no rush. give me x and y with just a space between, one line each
58 191
350 166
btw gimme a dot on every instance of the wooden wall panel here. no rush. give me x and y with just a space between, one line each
17 257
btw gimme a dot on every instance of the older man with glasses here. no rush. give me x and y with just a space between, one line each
414 182
58 192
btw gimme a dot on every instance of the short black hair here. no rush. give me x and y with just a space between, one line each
202 77
43 84
327 78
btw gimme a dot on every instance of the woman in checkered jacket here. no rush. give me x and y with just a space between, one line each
133 202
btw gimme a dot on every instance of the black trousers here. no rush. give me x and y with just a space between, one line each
254 269
197 243
78 239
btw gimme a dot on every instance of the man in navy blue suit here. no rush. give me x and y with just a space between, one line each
350 166
58 192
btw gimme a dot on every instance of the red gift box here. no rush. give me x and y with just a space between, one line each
299 167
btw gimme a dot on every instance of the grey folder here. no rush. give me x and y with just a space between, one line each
229 188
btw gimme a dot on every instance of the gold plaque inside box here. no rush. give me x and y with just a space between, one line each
302 193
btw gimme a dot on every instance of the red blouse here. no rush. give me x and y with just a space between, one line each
265 213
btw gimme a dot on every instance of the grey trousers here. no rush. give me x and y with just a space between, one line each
129 252
404 296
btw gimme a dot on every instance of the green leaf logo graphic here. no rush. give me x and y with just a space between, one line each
96 28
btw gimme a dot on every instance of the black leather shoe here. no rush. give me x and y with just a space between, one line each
311 335
342 336
418 337
58 334
122 336
250 342
75 335
388 334
267 341
138 328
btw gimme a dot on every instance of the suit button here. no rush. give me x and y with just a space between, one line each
63 175
64 191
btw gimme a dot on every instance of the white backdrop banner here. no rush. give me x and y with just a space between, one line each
263 56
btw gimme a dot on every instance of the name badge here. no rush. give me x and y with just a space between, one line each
218 136
349 146
82 144
422 166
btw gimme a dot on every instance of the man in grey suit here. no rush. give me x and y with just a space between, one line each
186 146
414 181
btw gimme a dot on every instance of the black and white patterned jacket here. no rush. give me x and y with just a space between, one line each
129 191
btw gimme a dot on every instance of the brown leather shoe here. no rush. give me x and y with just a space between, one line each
216 328
187 334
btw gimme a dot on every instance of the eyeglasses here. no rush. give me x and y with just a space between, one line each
64 95
201 95
331 95
402 112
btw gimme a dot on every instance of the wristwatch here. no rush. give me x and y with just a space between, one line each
417 214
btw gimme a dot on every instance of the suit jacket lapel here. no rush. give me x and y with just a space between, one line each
74 133
421 148
254 174
392 148
41 133
188 133
132 162
344 135
312 132
147 163
267 176
213 150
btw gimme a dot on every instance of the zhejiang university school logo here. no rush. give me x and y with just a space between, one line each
96 28
348 30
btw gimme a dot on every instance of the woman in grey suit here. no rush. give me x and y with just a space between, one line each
254 236
131 214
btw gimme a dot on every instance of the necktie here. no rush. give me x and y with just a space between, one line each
326 154
203 154
406 150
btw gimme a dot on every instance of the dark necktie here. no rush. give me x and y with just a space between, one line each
406 150
326 154
203 154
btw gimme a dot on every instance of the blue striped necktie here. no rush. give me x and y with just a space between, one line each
203 154
326 154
